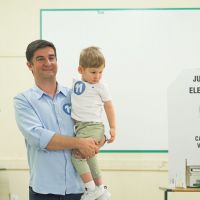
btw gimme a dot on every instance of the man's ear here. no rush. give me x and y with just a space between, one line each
30 66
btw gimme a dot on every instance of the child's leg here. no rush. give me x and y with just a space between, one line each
84 171
88 181
95 170
86 177
98 181
97 132
92 192
96 173
90 178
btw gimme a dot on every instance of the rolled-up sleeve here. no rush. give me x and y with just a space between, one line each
30 124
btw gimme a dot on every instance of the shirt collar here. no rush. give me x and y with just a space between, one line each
40 93
61 89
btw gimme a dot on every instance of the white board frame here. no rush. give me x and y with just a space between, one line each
162 43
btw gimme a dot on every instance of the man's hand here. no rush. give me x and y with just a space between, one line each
77 153
87 148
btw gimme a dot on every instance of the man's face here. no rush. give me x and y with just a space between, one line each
44 64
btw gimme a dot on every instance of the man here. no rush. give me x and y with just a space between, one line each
43 117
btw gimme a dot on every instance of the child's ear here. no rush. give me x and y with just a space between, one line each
80 69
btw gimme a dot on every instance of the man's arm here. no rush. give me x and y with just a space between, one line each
86 146
36 135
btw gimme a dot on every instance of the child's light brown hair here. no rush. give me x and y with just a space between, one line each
91 57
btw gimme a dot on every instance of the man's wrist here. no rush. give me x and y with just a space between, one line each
78 143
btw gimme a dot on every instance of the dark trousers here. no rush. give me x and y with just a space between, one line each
36 196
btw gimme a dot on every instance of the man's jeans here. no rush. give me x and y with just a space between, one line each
36 196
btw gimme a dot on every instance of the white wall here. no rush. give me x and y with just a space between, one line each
126 174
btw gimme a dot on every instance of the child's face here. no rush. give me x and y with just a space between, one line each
91 75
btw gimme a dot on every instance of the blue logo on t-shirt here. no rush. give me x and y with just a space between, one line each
67 109
79 87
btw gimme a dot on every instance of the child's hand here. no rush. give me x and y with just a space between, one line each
112 135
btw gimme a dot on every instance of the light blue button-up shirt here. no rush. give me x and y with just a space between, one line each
39 117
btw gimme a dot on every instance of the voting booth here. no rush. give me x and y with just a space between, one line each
184 129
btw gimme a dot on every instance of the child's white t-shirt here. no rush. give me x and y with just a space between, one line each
87 101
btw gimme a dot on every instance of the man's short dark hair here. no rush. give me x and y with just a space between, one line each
35 45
